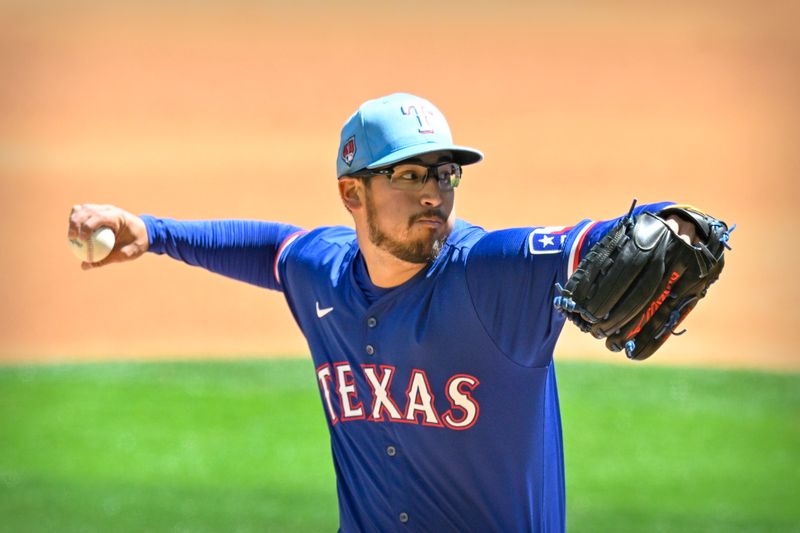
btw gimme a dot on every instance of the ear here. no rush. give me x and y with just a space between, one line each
351 193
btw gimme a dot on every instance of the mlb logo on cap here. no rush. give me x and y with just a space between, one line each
393 128
349 151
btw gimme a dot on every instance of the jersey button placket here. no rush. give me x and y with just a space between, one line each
394 465
371 323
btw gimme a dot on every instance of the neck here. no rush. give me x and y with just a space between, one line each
385 270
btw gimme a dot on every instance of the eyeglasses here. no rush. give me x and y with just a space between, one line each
411 177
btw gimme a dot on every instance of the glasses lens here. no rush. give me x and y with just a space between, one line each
409 177
448 175
414 177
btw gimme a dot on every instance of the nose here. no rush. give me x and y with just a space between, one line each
431 195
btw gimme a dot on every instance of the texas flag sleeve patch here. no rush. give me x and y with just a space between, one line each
548 240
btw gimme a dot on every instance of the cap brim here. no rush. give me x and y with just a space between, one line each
461 154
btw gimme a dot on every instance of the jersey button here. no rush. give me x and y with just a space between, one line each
370 349
391 451
403 517
372 322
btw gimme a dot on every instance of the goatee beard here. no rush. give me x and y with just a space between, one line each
420 251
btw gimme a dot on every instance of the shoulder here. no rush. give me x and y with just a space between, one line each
465 235
320 242
325 248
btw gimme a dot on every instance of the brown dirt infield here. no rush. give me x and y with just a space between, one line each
233 110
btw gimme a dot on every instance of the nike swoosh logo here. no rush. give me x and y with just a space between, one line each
322 312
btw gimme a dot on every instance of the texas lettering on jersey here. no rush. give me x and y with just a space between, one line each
345 403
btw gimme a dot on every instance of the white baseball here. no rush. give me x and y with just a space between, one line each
96 248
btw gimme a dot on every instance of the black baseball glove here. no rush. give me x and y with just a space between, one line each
641 280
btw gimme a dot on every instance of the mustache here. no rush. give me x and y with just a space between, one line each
430 213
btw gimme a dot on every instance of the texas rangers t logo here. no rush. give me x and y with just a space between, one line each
422 115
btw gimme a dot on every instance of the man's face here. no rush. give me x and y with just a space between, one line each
411 225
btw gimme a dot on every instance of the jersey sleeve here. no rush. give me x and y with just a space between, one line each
511 275
245 250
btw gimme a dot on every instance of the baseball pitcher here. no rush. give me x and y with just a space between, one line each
433 338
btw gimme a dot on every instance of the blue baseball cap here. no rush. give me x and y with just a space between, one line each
396 127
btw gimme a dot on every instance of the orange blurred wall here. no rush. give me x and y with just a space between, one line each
232 110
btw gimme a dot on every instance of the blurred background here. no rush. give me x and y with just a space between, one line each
207 109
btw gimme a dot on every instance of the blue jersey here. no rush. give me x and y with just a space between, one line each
440 394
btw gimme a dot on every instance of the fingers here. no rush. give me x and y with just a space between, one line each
75 221
684 230
130 231
84 219
119 254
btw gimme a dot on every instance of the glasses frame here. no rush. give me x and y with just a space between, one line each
444 185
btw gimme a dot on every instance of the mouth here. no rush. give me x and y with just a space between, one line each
437 220
429 219
430 222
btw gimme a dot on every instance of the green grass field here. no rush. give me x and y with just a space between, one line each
242 446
